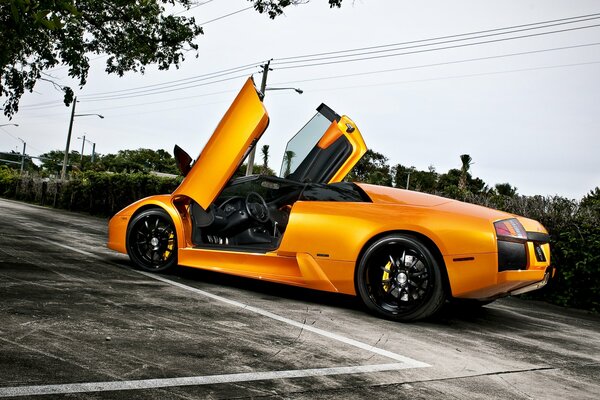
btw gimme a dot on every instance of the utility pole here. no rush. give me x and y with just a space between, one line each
63 173
23 155
82 147
263 90
93 152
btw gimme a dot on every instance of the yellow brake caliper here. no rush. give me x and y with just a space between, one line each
386 276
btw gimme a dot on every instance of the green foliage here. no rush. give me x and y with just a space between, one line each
574 229
9 180
371 168
99 193
40 34
505 189
256 170
140 160
275 8
28 165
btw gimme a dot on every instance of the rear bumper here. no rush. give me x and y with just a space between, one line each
512 283
549 273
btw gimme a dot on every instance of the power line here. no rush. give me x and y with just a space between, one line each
128 96
459 76
436 49
175 83
441 37
351 75
182 84
225 16
437 64
139 89
436 43
186 86
10 134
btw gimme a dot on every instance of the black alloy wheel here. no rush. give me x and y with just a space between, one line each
152 241
399 278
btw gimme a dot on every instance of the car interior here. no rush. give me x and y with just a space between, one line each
252 212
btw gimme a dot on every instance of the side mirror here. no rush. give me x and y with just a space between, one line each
183 160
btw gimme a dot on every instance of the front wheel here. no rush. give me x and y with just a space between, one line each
152 241
398 278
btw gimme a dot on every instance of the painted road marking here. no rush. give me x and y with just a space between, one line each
402 362
268 314
192 380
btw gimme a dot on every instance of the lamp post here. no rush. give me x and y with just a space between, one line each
263 90
63 174
23 155
82 147
24 147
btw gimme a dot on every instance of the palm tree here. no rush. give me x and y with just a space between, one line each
467 161
264 151
287 159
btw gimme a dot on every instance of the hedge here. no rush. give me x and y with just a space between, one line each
574 226
98 193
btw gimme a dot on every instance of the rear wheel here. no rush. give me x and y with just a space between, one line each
399 278
152 241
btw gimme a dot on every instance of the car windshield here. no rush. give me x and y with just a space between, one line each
301 144
271 188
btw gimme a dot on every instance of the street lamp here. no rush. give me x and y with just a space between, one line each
82 147
299 91
73 115
24 147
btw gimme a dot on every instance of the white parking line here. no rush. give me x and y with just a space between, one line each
268 314
192 380
402 362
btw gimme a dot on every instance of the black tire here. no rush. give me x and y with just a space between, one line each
152 241
398 278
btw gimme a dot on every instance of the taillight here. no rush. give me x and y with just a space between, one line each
510 230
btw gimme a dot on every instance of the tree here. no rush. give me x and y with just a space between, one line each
52 161
288 156
140 160
505 189
371 168
275 8
13 161
264 152
422 181
466 161
40 34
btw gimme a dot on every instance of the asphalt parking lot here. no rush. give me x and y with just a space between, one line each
76 321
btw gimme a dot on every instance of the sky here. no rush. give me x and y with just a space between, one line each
525 103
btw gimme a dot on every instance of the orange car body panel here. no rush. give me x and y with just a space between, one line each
244 123
359 148
323 241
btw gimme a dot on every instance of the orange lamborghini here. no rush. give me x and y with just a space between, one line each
403 253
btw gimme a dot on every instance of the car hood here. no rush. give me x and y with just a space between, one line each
393 196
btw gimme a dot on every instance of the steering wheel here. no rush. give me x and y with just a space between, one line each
257 209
